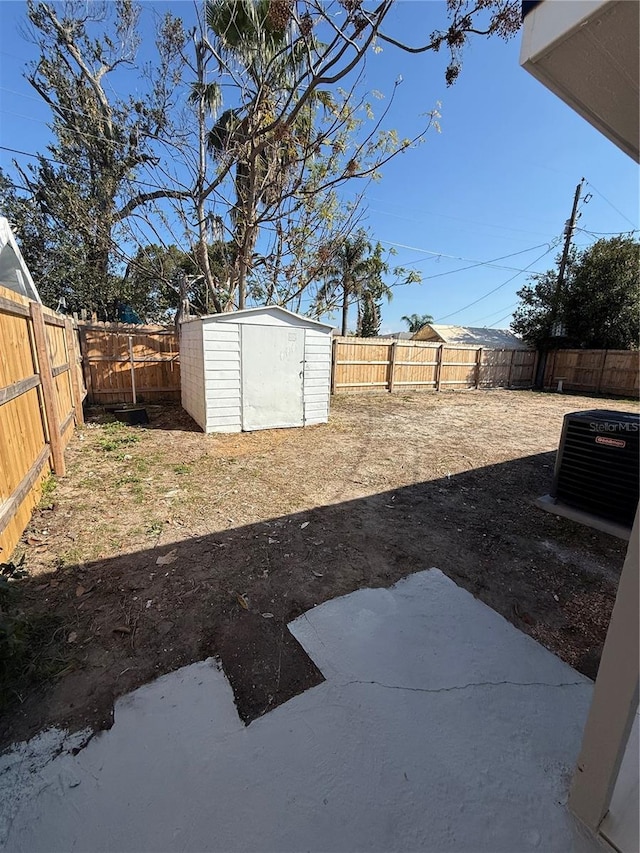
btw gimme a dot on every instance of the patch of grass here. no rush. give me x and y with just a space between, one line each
70 557
47 488
109 443
182 469
155 528
126 479
115 436
138 492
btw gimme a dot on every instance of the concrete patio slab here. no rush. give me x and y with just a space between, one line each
440 727
588 519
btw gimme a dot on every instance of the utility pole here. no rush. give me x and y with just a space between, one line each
553 319
568 234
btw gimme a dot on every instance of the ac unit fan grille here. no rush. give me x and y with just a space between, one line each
601 477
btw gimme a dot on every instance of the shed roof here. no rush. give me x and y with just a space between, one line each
14 272
247 313
471 336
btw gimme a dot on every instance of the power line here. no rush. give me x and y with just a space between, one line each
81 133
495 322
585 231
29 154
424 213
56 106
495 289
61 163
440 215
493 313
607 233
470 267
473 261
456 257
612 205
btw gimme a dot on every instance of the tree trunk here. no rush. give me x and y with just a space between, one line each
203 262
245 226
202 251
98 263
345 308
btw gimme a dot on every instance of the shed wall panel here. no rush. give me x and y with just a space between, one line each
192 381
317 376
222 372
228 352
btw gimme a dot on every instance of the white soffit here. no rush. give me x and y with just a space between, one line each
588 53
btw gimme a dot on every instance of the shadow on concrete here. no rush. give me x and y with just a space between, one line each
231 594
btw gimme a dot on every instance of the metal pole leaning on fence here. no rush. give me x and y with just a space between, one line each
510 374
478 367
334 356
48 390
439 366
133 371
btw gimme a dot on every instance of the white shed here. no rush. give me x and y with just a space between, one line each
260 368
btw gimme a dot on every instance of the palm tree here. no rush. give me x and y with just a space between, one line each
347 275
415 322
355 276
254 38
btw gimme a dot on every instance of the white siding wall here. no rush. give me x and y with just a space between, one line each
222 376
192 371
317 376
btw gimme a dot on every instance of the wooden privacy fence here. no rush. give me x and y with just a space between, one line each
594 370
375 364
123 364
41 392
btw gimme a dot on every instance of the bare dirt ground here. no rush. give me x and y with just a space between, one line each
163 546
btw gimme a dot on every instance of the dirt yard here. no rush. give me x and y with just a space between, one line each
163 546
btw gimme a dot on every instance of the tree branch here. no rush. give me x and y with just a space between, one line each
144 198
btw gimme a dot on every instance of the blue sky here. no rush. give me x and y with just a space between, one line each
497 180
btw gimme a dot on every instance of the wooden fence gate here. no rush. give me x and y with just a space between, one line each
121 362
597 371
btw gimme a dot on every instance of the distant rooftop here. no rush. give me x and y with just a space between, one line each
471 336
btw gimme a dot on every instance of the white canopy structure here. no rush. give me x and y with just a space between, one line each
14 272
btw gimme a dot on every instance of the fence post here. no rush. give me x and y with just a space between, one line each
334 355
601 374
392 365
513 353
478 366
439 366
552 370
534 369
73 360
48 389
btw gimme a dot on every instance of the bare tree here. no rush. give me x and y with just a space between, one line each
259 170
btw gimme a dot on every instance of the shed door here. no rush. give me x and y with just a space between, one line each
272 372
